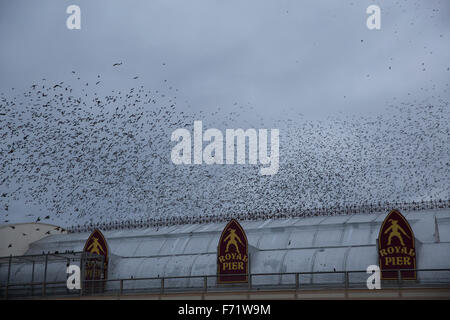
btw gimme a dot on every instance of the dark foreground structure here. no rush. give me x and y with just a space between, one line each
292 258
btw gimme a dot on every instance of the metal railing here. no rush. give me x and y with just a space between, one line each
208 283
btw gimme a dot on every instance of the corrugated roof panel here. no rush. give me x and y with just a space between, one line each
301 238
328 236
358 218
433 256
329 259
197 244
444 228
150 247
274 239
267 262
300 261
335 220
253 238
356 234
309 221
179 266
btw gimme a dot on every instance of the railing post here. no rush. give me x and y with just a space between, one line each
399 282
249 281
32 279
93 286
346 284
162 285
217 281
82 280
297 282
205 283
9 275
45 275
121 286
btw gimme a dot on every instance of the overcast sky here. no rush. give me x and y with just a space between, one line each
313 56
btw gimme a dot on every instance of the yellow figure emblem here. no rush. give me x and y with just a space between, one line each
232 237
95 247
395 228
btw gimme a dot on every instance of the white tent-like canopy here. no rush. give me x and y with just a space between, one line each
336 243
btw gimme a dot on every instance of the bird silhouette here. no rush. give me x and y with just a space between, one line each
104 159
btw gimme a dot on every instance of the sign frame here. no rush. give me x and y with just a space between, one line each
93 258
221 276
387 272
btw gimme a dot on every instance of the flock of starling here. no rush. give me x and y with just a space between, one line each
92 158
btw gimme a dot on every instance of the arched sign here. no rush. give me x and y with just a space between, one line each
95 261
396 248
232 254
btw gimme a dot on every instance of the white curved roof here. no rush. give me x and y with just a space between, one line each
341 243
